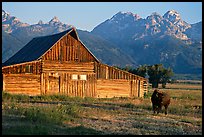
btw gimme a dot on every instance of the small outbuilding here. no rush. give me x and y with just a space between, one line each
62 64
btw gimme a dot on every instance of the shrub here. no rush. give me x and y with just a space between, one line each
147 94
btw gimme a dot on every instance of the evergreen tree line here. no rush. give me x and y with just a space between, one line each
156 74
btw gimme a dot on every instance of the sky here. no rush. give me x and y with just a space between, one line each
87 15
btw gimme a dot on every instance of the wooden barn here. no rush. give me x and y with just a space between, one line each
62 64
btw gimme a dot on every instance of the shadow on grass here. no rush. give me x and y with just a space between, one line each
15 125
49 130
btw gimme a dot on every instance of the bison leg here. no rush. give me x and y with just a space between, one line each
154 108
159 109
166 107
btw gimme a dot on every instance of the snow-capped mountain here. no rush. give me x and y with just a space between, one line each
135 27
165 39
17 38
11 23
124 39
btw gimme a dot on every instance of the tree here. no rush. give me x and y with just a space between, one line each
166 75
156 73
141 71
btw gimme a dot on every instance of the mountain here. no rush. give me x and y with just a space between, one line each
125 39
195 32
10 23
156 39
10 45
104 50
134 27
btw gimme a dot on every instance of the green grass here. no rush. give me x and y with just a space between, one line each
63 115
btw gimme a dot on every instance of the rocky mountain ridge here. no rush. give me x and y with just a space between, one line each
125 39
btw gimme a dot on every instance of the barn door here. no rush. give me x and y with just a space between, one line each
54 83
82 85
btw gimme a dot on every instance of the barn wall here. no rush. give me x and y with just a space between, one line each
56 66
22 84
70 84
113 88
106 74
134 88
68 78
142 90
69 49
33 67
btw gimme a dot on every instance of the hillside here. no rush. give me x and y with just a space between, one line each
8 48
126 39
156 39
105 51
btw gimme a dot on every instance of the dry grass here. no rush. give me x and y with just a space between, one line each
183 86
116 116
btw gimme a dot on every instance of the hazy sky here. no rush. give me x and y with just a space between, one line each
87 15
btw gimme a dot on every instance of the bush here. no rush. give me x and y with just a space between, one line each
147 94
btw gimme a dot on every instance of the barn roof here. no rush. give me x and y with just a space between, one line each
39 46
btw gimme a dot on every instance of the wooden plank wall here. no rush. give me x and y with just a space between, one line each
57 78
64 84
113 88
22 84
141 89
29 67
69 49
56 66
134 88
105 72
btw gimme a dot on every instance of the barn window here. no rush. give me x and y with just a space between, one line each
74 77
27 68
31 69
82 77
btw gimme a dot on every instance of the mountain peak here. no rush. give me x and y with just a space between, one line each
129 14
124 15
5 15
172 12
172 16
154 18
40 22
54 19
155 14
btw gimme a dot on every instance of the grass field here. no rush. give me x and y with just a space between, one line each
61 115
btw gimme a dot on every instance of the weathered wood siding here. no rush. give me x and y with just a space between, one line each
70 84
113 88
68 78
107 72
33 67
56 66
64 65
113 82
22 84
68 49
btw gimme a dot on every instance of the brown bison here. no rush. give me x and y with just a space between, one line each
160 99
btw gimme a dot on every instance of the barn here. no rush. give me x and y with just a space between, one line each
62 64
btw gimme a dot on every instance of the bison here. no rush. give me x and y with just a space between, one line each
160 99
